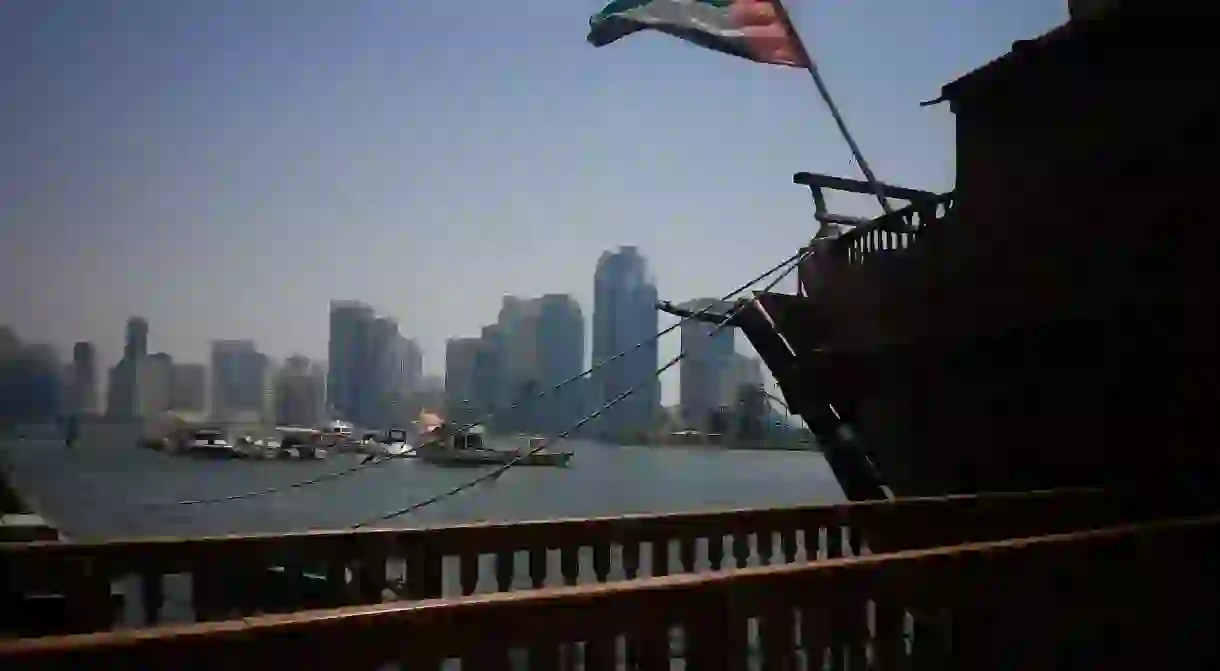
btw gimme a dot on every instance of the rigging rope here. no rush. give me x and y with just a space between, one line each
789 263
496 472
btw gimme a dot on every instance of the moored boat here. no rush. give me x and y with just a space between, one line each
466 448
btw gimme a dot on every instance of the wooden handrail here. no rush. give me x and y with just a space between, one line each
518 535
354 562
980 593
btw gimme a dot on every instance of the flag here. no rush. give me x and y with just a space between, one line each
752 29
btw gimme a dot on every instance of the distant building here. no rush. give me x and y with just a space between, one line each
487 374
413 364
300 393
372 366
350 360
560 347
624 315
154 375
188 387
461 358
707 374
82 385
123 395
519 375
135 346
239 380
31 381
744 370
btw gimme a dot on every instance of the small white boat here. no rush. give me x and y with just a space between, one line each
209 443
392 443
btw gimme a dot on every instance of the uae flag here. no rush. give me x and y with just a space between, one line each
753 29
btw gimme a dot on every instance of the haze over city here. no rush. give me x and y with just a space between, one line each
226 168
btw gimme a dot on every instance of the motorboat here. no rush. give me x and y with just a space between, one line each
391 443
209 443
466 448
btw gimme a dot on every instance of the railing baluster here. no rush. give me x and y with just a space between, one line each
705 633
537 567
787 544
601 561
834 542
631 570
569 563
152 596
660 556
543 653
203 591
653 646
686 552
766 545
601 653
631 559
928 636
715 551
336 581
506 568
776 627
88 596
815 635
854 626
889 649
812 537
741 548
468 572
371 572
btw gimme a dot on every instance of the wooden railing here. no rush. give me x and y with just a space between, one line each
892 232
1109 598
214 578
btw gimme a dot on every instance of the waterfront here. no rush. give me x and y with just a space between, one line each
107 488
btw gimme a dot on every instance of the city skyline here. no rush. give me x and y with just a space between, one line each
90 385
225 181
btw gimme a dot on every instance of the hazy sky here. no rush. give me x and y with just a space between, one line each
226 167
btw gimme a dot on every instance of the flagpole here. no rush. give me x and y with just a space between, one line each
812 68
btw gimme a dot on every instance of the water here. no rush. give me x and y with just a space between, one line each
106 487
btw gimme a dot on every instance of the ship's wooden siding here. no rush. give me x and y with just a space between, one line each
225 577
1060 326
1110 598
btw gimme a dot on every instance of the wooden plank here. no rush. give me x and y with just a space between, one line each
176 555
857 186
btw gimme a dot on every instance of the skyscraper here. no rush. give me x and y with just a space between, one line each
154 374
413 364
123 391
299 392
239 380
82 379
624 315
380 396
485 382
560 334
518 374
707 369
188 387
350 360
461 358
136 343
31 380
